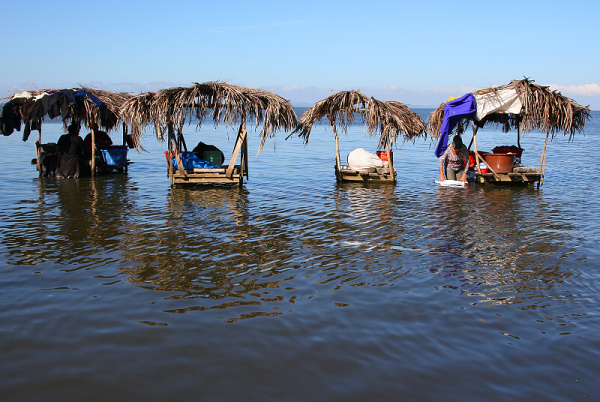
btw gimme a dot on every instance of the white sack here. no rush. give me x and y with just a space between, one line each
361 159
502 101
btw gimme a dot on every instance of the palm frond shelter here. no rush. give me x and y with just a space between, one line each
169 110
94 108
388 118
521 105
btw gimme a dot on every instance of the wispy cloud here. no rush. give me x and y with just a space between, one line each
254 27
577 90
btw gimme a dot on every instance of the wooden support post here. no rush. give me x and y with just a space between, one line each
542 168
338 162
38 151
181 141
390 163
245 156
479 158
93 167
486 164
474 140
124 133
236 150
170 160
242 161
171 134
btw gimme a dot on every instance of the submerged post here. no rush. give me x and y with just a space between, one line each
38 151
241 138
474 140
93 167
338 162
170 159
245 156
390 163
543 160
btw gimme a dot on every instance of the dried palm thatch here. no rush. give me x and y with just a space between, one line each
542 109
390 118
71 104
225 103
112 102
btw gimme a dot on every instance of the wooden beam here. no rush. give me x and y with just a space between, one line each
238 146
94 127
474 141
38 151
245 154
170 160
390 163
338 162
478 157
125 134
171 134
542 168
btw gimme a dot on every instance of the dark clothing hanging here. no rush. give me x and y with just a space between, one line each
10 117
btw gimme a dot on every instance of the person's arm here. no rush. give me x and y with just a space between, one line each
466 158
443 164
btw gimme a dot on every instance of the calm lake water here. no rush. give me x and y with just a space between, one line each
294 287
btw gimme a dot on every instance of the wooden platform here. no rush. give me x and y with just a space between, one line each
207 176
523 175
379 176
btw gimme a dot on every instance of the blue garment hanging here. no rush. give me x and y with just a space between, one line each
455 111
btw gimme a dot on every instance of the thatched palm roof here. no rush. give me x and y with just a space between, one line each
390 118
86 105
542 109
223 102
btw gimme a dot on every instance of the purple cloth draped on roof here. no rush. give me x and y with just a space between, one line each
455 111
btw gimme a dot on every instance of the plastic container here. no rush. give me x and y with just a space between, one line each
501 163
472 160
214 157
483 168
115 156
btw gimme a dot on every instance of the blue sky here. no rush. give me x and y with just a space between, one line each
419 53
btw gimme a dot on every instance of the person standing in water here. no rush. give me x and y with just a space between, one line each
455 160
72 153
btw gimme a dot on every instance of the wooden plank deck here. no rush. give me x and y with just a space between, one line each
380 176
518 176
206 176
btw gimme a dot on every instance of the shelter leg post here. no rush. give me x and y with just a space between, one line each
93 167
338 162
38 152
238 146
390 163
542 168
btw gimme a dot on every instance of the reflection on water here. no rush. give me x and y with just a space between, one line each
217 246
503 245
68 222
372 290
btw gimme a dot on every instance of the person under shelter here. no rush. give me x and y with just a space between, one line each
102 140
455 161
72 153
